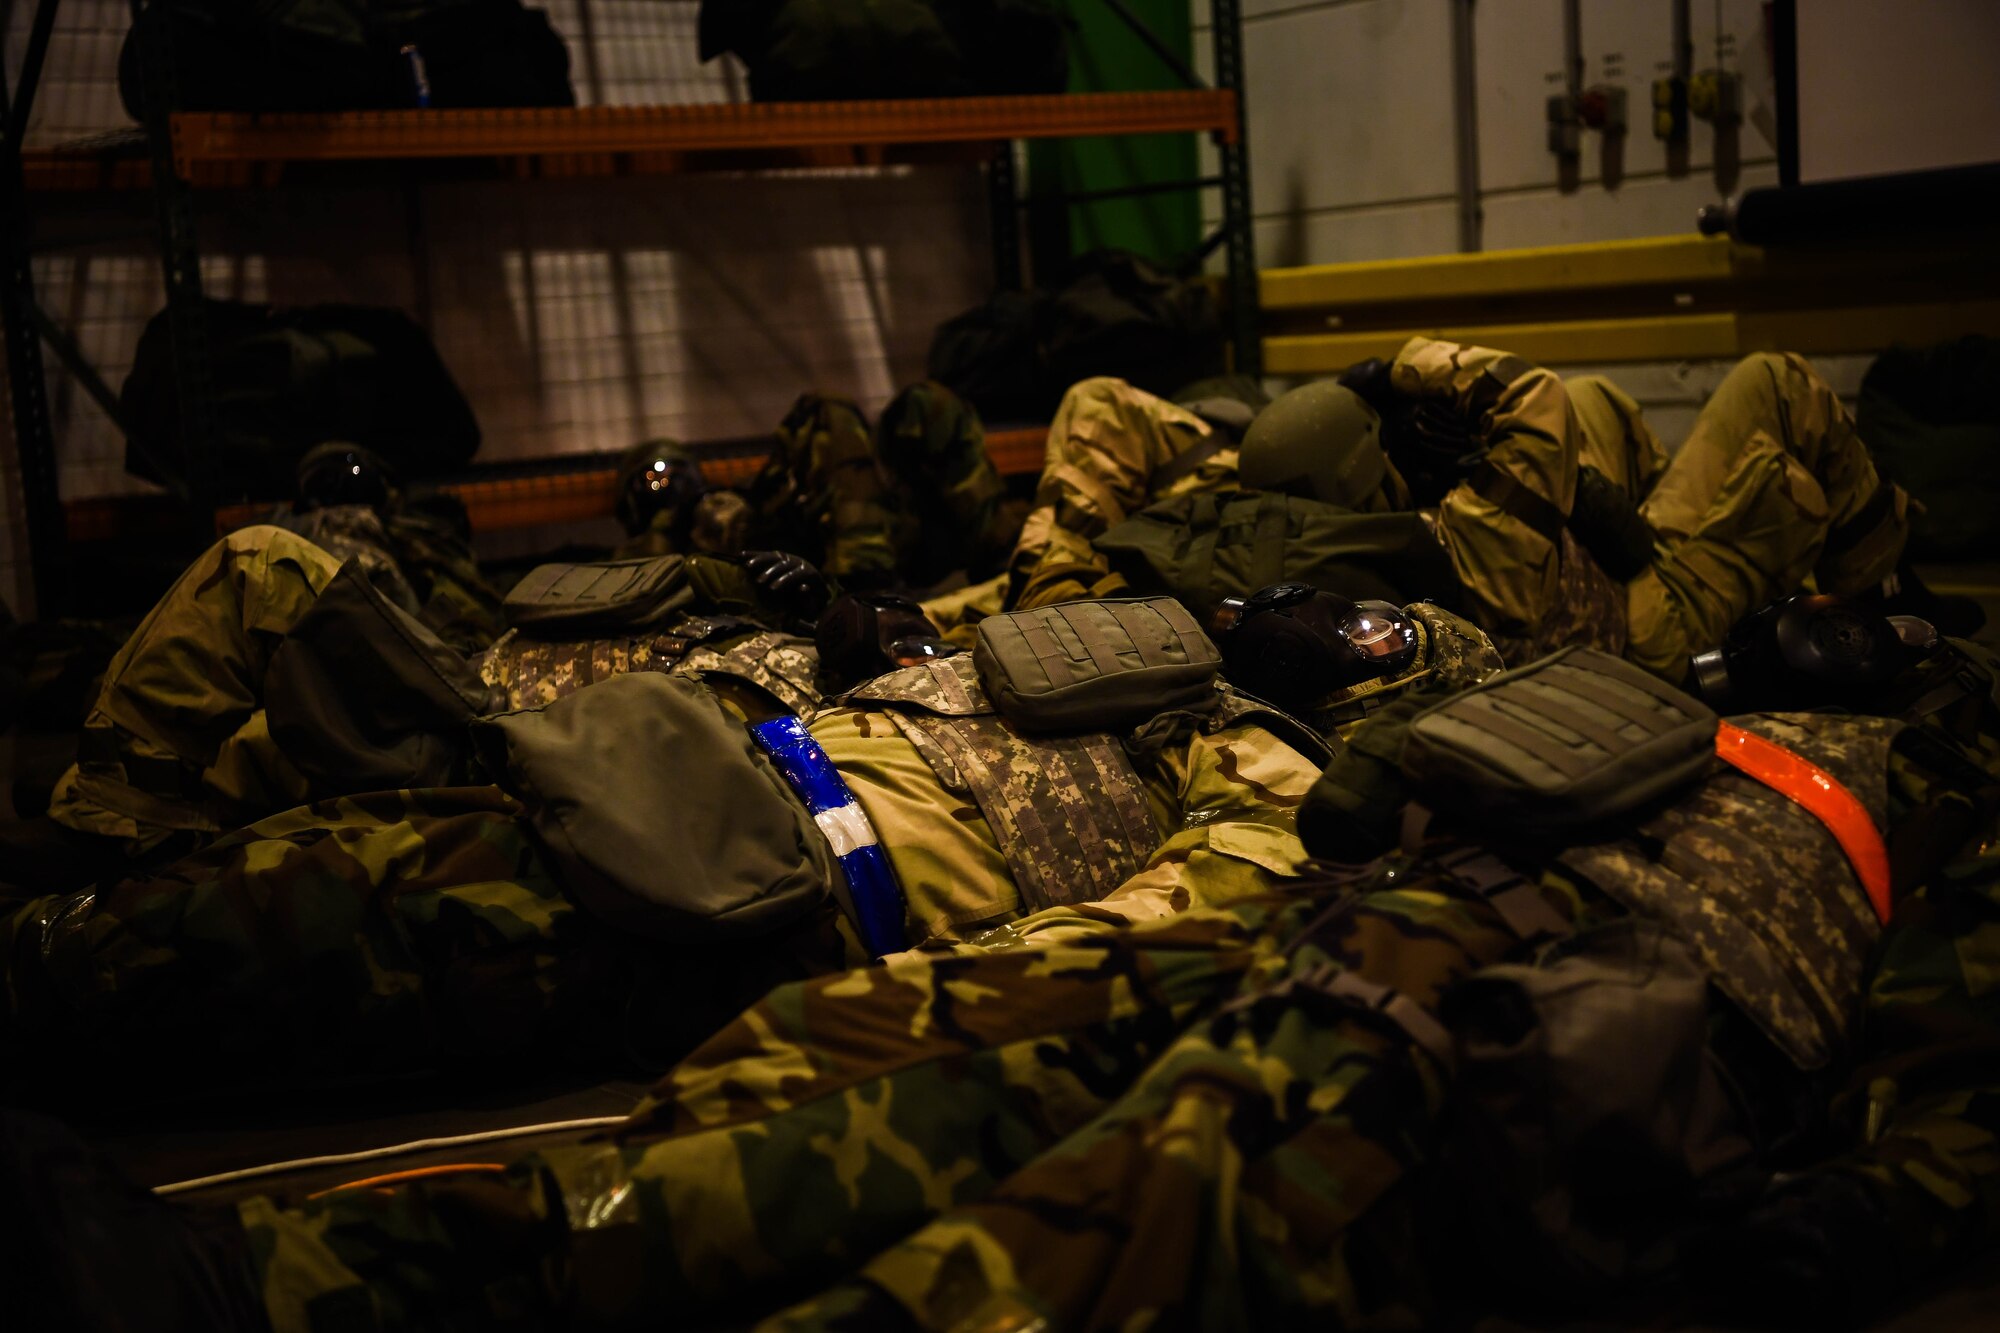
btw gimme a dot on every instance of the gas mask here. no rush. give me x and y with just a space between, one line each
1304 649
664 481
1809 651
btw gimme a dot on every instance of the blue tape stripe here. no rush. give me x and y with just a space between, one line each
871 880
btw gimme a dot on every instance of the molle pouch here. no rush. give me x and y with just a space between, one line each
1559 744
1096 666
563 601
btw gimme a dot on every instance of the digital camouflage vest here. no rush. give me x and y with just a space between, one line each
1069 812
1758 887
533 672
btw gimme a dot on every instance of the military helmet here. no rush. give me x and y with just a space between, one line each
659 476
1321 441
338 473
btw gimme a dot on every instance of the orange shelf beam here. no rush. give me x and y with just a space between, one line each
208 138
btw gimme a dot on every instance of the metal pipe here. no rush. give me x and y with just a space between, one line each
31 71
77 365
1238 222
1573 49
1683 40
1465 125
28 391
1913 203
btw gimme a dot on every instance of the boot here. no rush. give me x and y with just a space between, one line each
94 1253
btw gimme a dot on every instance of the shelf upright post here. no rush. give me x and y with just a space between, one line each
27 384
1248 347
180 262
1002 197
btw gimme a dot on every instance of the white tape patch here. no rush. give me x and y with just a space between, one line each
846 828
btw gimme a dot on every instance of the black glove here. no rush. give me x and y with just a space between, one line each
793 581
1370 380
1610 526
1433 444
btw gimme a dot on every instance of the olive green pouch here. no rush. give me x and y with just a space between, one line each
570 601
1096 666
659 812
1559 744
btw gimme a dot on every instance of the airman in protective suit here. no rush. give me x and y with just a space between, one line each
584 862
178 746
1233 1117
666 507
415 546
909 501
1567 522
1560 517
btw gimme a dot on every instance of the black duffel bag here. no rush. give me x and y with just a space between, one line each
284 380
813 50
1015 356
347 55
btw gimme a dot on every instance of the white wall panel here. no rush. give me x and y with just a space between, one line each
1626 43
1349 108
1343 236
1349 104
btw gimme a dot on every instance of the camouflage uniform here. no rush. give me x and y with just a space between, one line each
531 672
454 598
1213 817
1112 450
825 495
418 559
1772 485
1208 1121
177 740
932 442
721 525
348 918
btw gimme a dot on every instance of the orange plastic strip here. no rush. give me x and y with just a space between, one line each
414 1173
1820 795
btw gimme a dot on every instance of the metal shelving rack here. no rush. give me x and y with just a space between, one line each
186 151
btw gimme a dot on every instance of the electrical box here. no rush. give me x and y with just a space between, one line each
1716 96
1670 108
1602 108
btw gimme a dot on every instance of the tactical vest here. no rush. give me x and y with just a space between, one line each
1756 886
534 672
1069 812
